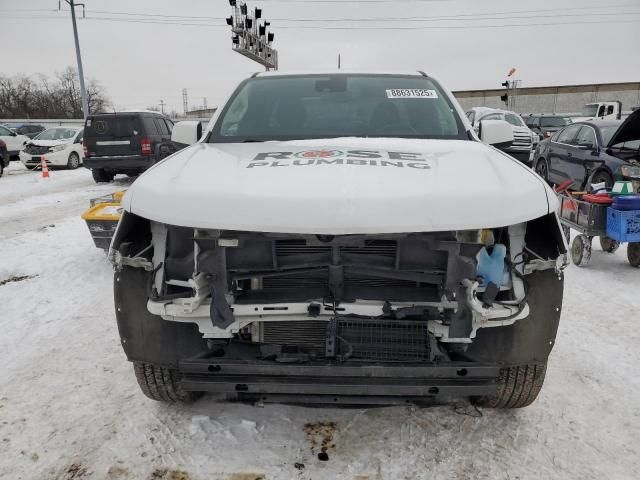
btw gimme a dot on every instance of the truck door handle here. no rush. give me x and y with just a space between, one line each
569 154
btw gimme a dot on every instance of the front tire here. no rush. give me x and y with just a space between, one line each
581 250
100 175
601 177
162 384
542 170
74 161
609 245
633 254
518 387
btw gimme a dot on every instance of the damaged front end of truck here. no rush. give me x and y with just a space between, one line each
376 318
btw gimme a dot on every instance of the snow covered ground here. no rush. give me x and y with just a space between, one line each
70 407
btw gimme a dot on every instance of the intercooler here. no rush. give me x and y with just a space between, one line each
357 338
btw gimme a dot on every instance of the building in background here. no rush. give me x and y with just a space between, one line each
563 99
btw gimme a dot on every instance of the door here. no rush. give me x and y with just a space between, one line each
581 161
165 147
559 152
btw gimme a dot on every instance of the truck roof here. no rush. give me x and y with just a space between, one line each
279 73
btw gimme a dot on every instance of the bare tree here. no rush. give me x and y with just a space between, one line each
23 97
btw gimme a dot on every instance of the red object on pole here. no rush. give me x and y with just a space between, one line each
45 167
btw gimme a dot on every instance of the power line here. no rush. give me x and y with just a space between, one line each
470 16
315 27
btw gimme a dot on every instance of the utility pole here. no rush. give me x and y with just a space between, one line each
83 91
204 103
185 102
339 62
162 104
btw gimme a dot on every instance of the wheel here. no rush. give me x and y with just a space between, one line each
162 384
100 175
609 245
567 233
541 169
74 161
1 166
633 254
600 177
581 250
518 387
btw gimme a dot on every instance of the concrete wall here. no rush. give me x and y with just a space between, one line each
565 99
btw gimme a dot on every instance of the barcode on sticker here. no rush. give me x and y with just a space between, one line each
411 93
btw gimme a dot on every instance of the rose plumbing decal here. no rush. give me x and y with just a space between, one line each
369 158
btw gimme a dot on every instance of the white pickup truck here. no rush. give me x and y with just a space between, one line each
340 237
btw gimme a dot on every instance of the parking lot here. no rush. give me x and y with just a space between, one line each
70 408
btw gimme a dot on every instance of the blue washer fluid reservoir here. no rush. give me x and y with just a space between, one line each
491 266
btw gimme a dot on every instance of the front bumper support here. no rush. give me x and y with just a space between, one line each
329 380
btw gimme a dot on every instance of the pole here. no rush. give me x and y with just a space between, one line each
339 62
83 92
162 104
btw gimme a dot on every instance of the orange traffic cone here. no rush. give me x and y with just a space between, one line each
45 167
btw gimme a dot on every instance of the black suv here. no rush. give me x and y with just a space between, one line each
546 125
28 129
125 142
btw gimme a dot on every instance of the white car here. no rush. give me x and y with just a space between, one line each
60 147
14 141
340 237
523 144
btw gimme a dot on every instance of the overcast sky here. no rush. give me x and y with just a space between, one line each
139 64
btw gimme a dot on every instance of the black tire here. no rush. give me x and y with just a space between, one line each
74 161
100 175
162 384
609 245
633 254
1 166
581 250
518 387
599 177
542 170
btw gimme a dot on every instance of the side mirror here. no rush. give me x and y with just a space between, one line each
187 132
496 132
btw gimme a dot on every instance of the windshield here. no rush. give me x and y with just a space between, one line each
61 133
515 120
319 106
554 121
590 110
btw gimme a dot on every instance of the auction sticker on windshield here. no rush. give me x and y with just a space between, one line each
411 93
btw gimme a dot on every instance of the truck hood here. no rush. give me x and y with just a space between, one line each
341 186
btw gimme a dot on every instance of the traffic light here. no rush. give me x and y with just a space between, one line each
505 97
